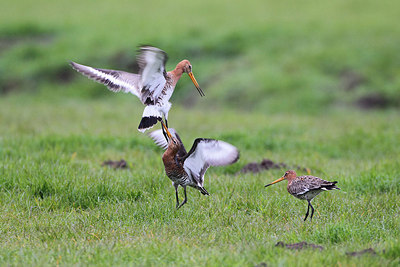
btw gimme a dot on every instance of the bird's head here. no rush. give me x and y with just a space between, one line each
289 175
173 142
185 66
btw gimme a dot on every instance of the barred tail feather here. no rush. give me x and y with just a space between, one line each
334 185
330 186
203 191
151 115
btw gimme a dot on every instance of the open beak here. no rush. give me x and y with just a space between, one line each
277 181
166 130
195 83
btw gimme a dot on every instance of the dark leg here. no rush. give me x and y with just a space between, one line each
185 200
312 211
177 198
166 123
308 209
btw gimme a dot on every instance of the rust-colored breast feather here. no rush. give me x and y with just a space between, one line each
173 167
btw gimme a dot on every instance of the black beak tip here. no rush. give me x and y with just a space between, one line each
267 185
201 92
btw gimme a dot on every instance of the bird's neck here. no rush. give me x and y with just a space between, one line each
175 75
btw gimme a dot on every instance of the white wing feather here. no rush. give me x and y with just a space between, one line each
151 62
206 153
115 80
159 138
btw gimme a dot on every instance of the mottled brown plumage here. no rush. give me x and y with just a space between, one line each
305 187
188 168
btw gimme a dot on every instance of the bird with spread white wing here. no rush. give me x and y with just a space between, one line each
188 168
152 84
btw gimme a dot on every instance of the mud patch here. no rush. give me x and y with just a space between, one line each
120 164
298 246
369 251
373 101
267 164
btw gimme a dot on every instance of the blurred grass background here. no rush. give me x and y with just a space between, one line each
255 56
314 84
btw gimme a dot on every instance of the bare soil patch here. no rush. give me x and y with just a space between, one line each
370 251
119 164
298 246
267 164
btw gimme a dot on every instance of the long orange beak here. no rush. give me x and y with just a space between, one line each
196 84
166 130
277 181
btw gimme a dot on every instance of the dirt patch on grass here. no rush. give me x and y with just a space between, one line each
373 101
267 164
298 246
119 164
369 251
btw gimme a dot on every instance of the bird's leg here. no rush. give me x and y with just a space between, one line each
185 200
177 197
312 211
308 209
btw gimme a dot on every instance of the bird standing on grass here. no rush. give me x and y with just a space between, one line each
188 168
305 187
152 85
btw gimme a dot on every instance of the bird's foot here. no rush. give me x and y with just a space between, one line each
183 203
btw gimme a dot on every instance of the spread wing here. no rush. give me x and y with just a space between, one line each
159 139
208 152
151 62
115 80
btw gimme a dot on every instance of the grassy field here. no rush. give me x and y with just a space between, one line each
314 85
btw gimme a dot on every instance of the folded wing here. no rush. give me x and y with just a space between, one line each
208 152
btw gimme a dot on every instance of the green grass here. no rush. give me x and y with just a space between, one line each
60 206
274 75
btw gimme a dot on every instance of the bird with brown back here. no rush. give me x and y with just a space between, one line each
188 168
305 187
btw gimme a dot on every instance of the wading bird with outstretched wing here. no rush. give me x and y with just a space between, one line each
152 84
188 168
305 187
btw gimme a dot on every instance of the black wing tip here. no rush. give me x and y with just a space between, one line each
237 156
203 191
334 185
148 122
